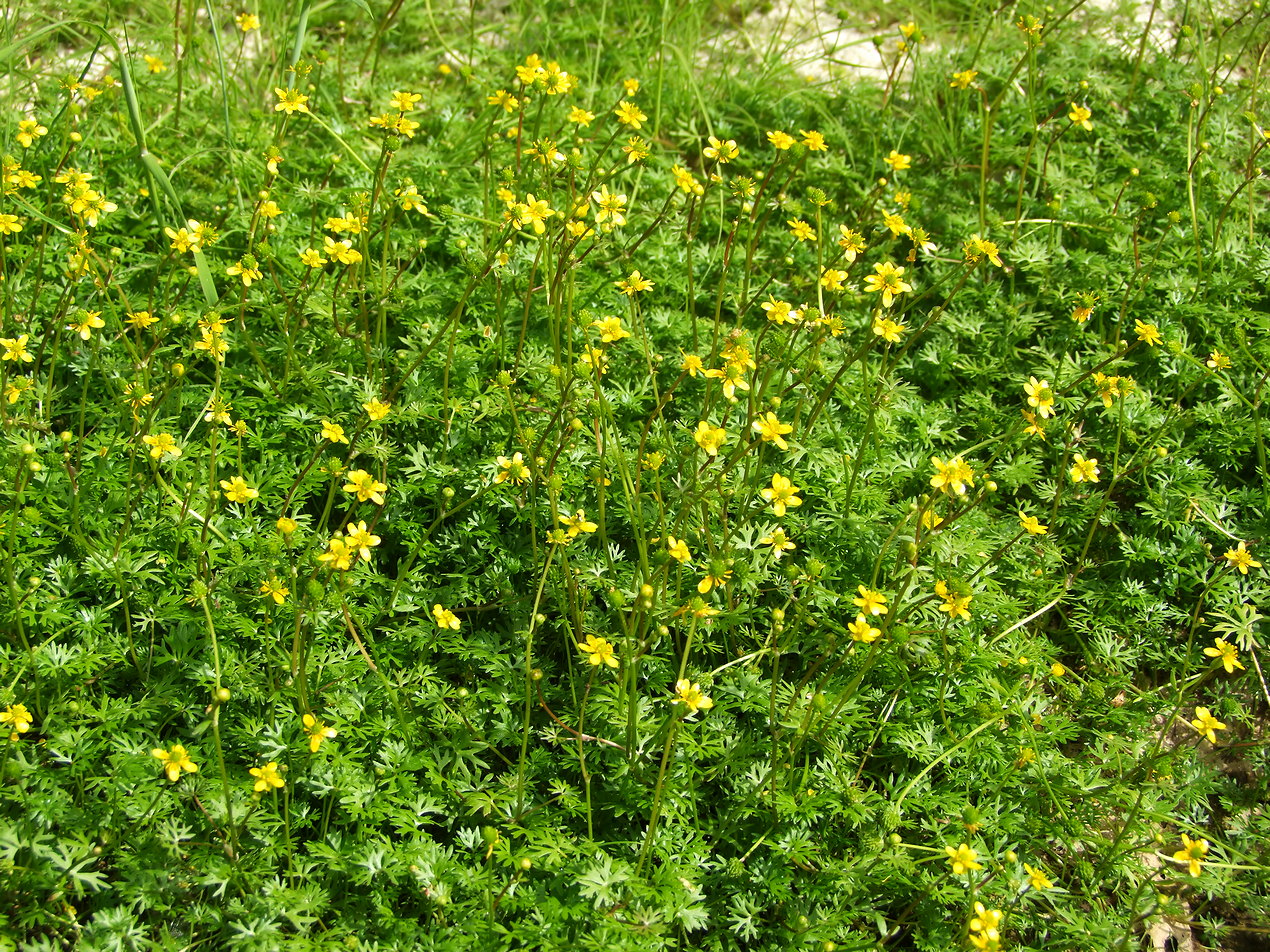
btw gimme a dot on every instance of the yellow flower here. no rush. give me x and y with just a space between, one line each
312 258
1084 470
952 477
359 539
141 319
17 717
870 602
801 230
317 732
376 409
29 130
160 444
629 114
598 651
404 102
267 777
502 97
366 486
10 224
780 312
691 697
962 859
851 242
611 329
722 152
1226 653
1040 396
513 470
245 268
954 605
612 208
976 247
16 387
15 349
333 432
580 116
445 618
861 630
272 588
1032 524
338 555
1079 116
813 140
633 283
577 523
780 140
772 430
963 79
1148 333
247 22
782 494
174 761
889 280
714 576
1206 725
237 490
1058 670
1217 361
685 181
154 64
898 161
678 550
1241 559
831 279
1037 879
290 101
709 438
630 86
890 331
87 323
779 542
286 525
1192 854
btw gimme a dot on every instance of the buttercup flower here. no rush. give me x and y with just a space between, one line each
1037 879
1079 116
779 542
898 161
333 432
18 718
629 114
1040 396
267 777
15 349
174 761
870 602
888 279
338 556
445 618
290 101
1241 559
1084 470
247 22
721 151
1192 854
954 605
678 550
376 409
317 732
577 523
709 438
513 470
1147 333
359 539
952 477
611 329
1032 524
273 588
634 283
1206 725
160 444
237 490
366 487
772 430
598 651
1226 653
963 79
962 859
780 140
861 630
782 494
691 696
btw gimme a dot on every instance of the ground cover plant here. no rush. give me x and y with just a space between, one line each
559 477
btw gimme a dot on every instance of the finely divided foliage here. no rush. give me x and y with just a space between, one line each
567 493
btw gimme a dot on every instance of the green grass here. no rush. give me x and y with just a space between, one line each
473 557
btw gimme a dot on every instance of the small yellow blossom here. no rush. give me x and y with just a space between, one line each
598 651
1084 470
691 696
801 230
956 606
709 438
161 444
1241 559
1217 361
898 161
1032 524
174 761
1040 396
1206 725
87 323
782 495
273 588
1080 116
317 732
862 630
376 409
15 349
333 432
247 22
678 550
366 487
29 130
514 470
779 542
1192 854
963 78
445 618
1037 879
154 64
1226 653
772 430
17 717
577 523
888 279
813 140
634 283
952 477
870 602
1147 333
780 140
721 151
290 101
267 777
629 114
962 859
338 555
237 490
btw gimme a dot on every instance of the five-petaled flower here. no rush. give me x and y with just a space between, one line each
1084 470
317 732
629 114
513 470
898 161
267 777
174 761
962 859
1206 725
445 618
691 696
376 409
1192 854
1241 559
359 539
1149 334
1040 396
273 588
611 329
1037 879
15 348
366 487
1032 524
709 438
1080 116
952 477
290 101
333 432
577 523
870 602
721 151
338 555
888 279
1223 651
779 542
955 605
18 718
678 550
635 282
598 651
29 130
782 494
237 490
861 630
772 430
